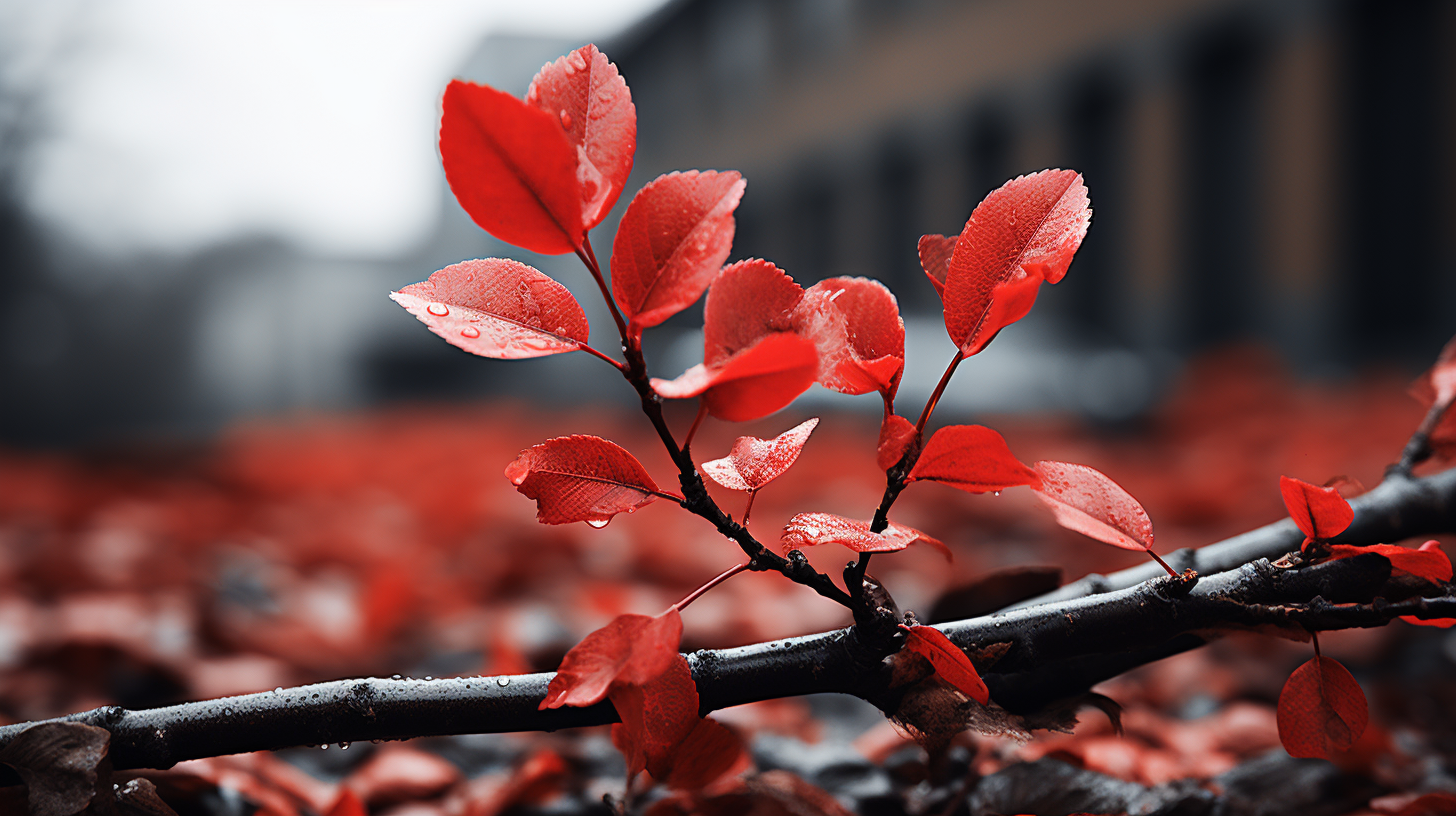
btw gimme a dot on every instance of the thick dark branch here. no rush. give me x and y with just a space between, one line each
1056 651
1399 507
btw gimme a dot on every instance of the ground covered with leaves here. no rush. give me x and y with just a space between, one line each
391 543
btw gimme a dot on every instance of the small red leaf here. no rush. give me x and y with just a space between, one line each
1428 562
512 168
1010 301
581 478
753 462
855 323
631 649
747 301
673 239
1321 710
935 252
1031 226
951 664
813 529
657 717
497 308
590 103
708 753
896 434
755 383
1086 501
1320 512
1438 385
1439 623
972 458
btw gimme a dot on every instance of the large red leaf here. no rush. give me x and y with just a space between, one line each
591 104
747 301
1010 301
753 384
856 325
1031 226
512 168
581 478
673 239
497 308
631 649
813 529
935 252
1320 512
972 458
951 664
1428 562
753 462
1321 710
657 716
708 753
896 435
1085 500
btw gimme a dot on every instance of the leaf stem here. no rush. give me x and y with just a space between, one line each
1418 449
697 593
935 395
1163 564
589 350
697 420
588 257
748 508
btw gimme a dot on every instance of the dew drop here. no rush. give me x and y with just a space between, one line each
429 677
344 746
227 712
565 119
470 332
278 690
397 677
324 747
503 681
438 309
996 493
598 523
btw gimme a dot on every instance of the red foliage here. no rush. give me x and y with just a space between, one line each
753 384
753 462
631 650
581 478
512 168
1321 709
672 240
812 529
896 435
1028 228
1427 562
855 325
935 252
590 100
1085 500
497 308
662 733
972 458
1320 512
951 664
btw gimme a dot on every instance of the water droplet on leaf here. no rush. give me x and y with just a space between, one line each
598 523
503 681
470 332
438 309
565 120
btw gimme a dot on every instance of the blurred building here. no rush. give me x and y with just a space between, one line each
1259 169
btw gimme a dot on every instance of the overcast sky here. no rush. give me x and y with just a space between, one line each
176 123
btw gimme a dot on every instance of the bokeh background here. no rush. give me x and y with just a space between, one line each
228 463
202 206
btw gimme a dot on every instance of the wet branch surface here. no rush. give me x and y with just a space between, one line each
1057 650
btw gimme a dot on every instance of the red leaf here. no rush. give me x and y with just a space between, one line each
581 478
855 323
747 301
896 434
951 664
1321 710
1428 562
1085 500
1320 512
497 308
1439 385
972 458
657 717
753 462
673 239
755 383
590 102
813 529
935 252
347 804
512 168
708 753
1010 302
1439 623
1031 226
631 649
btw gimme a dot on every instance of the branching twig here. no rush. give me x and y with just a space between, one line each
1057 650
